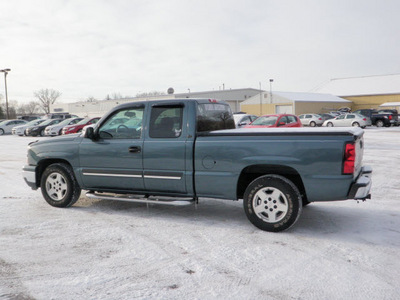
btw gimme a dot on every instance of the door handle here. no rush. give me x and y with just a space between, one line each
135 149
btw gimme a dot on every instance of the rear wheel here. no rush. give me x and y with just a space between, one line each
355 124
379 123
1 131
313 124
272 203
59 186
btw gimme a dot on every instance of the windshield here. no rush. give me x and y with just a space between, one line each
47 122
265 120
65 122
34 122
83 122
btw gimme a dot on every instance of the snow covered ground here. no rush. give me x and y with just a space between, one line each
119 250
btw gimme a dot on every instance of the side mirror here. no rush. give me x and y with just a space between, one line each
89 133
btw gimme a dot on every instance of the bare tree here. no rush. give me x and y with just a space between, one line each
46 98
91 99
31 107
148 94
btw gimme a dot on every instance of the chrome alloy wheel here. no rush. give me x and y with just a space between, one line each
270 204
56 186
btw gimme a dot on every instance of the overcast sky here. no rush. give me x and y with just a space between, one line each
93 48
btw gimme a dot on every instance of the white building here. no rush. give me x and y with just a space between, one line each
234 97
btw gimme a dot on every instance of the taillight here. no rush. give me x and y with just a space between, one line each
349 159
390 117
320 119
365 119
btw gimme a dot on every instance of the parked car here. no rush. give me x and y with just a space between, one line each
7 125
380 118
336 113
56 129
278 120
326 117
311 120
79 126
39 129
347 120
345 110
242 119
28 118
20 130
59 116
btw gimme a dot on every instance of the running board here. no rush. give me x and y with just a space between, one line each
151 199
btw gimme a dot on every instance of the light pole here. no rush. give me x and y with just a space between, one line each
5 71
270 89
260 100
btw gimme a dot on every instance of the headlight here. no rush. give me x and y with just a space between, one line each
35 128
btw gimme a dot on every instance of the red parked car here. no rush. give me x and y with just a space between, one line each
76 128
278 120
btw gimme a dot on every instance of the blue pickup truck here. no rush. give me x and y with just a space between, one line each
177 151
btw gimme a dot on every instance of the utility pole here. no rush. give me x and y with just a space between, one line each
5 71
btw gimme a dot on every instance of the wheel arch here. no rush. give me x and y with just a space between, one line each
252 172
43 164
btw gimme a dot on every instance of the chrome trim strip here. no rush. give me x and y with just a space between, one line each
112 175
162 177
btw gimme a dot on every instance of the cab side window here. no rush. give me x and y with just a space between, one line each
166 121
291 119
283 120
123 124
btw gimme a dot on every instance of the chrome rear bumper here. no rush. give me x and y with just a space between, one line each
360 189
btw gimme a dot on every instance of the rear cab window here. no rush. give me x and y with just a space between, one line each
214 116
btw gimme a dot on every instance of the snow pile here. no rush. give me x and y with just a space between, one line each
118 250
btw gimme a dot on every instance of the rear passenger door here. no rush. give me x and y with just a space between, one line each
166 148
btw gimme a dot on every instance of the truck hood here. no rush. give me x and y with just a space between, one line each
56 140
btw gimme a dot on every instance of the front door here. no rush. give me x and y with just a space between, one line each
114 160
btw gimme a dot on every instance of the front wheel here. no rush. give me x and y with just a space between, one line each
330 124
272 203
1 131
379 123
59 186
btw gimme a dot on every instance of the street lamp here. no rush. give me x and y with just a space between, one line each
5 71
270 89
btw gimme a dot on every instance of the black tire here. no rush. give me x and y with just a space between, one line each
330 124
42 132
379 123
272 203
59 186
1 131
313 124
355 124
60 132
